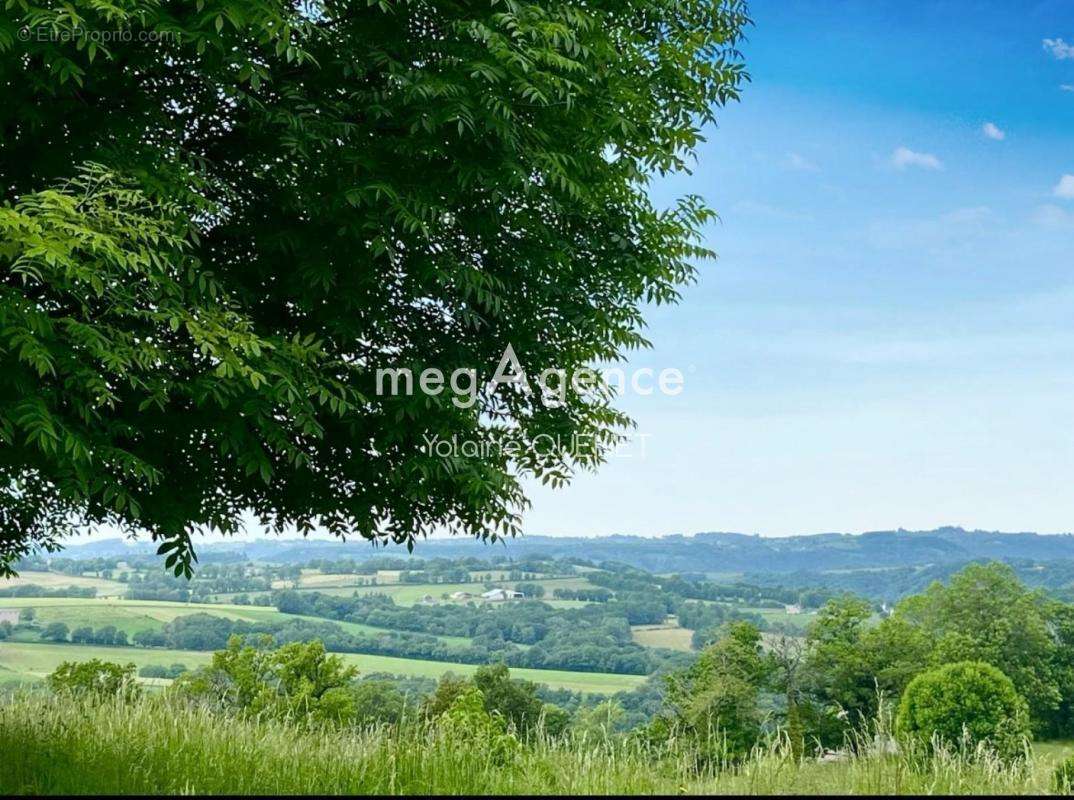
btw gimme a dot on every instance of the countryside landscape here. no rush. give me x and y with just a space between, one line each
573 660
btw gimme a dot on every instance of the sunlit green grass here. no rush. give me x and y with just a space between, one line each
670 636
24 661
56 580
155 746
132 616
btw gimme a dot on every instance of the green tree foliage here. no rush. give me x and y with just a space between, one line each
377 703
599 722
94 678
839 674
509 699
297 681
280 198
55 632
984 613
851 663
513 699
531 589
161 671
448 688
469 724
715 701
82 635
965 704
1060 722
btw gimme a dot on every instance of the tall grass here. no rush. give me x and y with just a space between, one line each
57 745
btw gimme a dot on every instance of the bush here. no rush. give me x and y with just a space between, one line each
377 702
94 678
1063 777
466 723
968 703
161 671
55 632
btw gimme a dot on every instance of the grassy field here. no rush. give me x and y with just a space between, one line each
779 615
56 580
670 636
31 661
23 662
132 616
408 594
154 746
313 579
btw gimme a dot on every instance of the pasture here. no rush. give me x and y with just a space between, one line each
58 580
408 594
20 662
133 616
668 635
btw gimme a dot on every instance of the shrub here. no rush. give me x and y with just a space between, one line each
55 632
94 678
466 723
713 704
968 703
82 635
1063 777
300 681
377 702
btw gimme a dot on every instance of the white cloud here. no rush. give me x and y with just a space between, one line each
904 157
1052 216
1067 87
1065 188
1059 48
991 131
801 163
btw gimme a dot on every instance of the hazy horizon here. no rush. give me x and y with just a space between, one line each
324 537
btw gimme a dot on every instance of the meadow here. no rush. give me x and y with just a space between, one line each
669 635
55 580
133 616
60 745
25 661
408 594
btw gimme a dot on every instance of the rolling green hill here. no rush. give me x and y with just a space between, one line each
132 616
25 661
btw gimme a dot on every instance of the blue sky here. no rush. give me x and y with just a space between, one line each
887 338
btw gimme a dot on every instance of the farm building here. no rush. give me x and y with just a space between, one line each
461 596
499 595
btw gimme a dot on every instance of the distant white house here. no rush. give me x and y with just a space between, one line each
9 615
460 596
793 609
499 595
